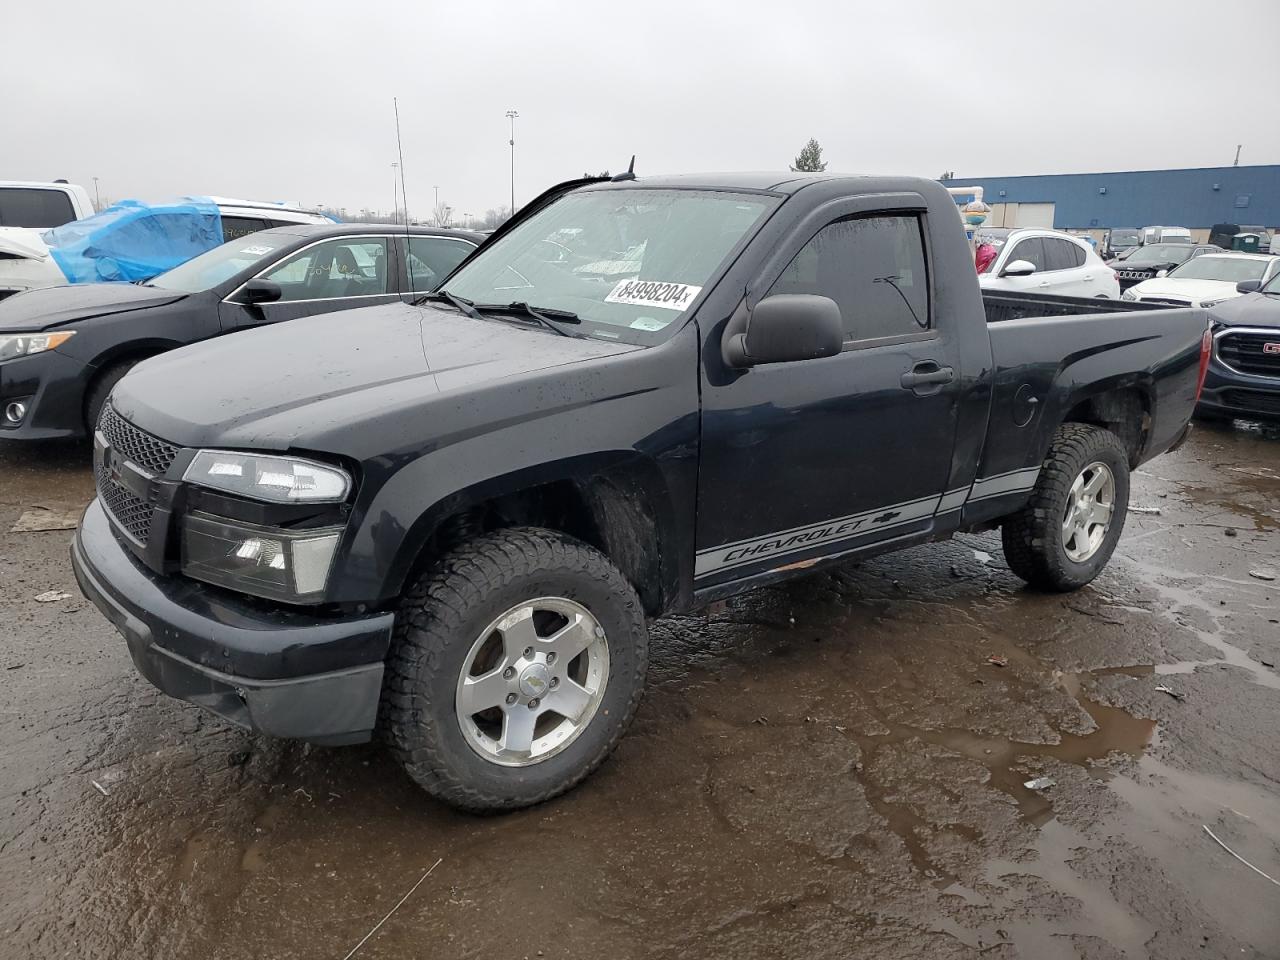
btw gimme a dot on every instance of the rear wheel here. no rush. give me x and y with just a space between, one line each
518 663
1068 530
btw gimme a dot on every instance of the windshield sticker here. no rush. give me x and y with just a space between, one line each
652 293
257 251
648 323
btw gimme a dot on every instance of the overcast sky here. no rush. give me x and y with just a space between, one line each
293 100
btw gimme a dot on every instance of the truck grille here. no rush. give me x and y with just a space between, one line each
1253 353
152 454
132 514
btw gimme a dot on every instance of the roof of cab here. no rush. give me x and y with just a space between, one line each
771 181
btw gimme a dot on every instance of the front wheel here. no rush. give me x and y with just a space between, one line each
1069 528
517 664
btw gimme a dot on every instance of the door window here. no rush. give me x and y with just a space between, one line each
1061 254
431 259
1030 249
874 268
334 269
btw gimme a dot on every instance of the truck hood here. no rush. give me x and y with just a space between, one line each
1250 310
22 242
1192 292
48 307
297 384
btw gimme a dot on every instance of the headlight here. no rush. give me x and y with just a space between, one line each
287 565
271 478
24 344
1129 295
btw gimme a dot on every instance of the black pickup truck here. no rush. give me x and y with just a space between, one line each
448 522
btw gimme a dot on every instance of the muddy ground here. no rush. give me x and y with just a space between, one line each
827 769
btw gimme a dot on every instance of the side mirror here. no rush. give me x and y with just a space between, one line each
1019 268
261 291
1248 286
788 327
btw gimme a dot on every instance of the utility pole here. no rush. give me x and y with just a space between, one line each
1238 146
97 198
511 115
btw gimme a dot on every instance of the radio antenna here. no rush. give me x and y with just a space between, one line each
404 200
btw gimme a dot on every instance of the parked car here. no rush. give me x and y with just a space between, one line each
1120 239
62 349
36 205
132 240
1207 280
1166 235
1244 373
1155 260
1045 261
459 516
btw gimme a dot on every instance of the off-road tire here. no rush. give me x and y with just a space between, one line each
440 617
102 387
1032 537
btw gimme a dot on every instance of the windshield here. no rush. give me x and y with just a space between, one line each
219 264
1229 269
628 261
1160 253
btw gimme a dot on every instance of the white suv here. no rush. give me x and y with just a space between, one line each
27 261
1045 261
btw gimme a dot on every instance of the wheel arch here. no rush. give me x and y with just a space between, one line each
614 502
1124 406
126 352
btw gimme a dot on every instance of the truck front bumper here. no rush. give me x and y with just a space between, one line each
278 672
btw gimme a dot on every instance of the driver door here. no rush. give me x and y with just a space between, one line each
339 274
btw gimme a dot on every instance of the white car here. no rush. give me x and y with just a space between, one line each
1206 280
1047 262
26 261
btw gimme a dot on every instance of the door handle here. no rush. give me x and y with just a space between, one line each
927 373
1088 278
1044 283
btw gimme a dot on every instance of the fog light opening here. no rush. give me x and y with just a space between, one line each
15 411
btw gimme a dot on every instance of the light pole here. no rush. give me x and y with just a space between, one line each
395 193
511 115
97 198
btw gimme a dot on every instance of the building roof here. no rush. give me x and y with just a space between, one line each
1195 197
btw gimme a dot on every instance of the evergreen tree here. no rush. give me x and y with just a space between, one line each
810 159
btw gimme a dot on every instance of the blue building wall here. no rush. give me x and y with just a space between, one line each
1194 198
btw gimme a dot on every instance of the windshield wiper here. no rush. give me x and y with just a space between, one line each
549 317
461 304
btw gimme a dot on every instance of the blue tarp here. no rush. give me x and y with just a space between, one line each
133 241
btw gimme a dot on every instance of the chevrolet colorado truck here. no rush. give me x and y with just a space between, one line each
446 523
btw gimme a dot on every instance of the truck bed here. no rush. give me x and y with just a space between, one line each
1126 349
1017 306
